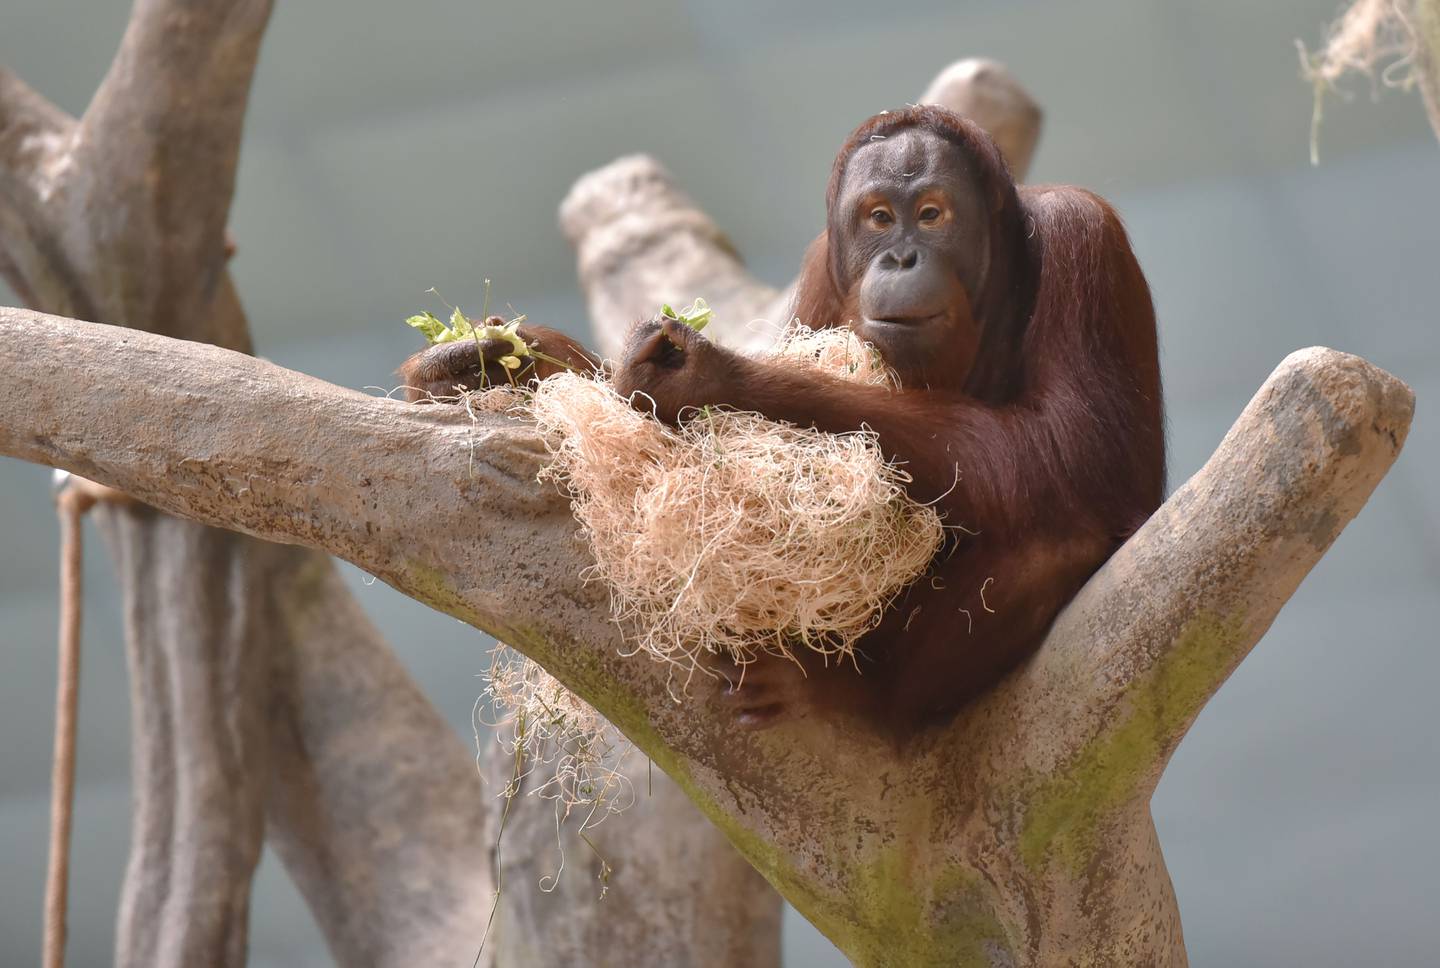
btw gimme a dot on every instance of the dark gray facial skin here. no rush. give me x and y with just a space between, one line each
913 229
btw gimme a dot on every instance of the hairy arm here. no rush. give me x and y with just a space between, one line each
987 466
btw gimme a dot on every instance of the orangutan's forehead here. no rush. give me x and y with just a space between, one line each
904 157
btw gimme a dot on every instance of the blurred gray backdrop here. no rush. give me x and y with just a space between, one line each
394 147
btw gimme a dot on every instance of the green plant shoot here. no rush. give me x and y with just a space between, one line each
460 328
697 315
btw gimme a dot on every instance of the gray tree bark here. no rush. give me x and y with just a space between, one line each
249 662
1019 834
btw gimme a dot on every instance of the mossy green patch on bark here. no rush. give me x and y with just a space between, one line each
895 908
915 917
966 926
1066 813
950 922
431 585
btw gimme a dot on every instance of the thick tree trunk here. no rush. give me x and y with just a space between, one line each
730 915
374 803
201 762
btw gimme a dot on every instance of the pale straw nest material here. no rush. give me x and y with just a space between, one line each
732 535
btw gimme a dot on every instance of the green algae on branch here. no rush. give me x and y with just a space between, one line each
1066 813
434 587
952 924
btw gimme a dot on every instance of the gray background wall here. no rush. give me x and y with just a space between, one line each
394 147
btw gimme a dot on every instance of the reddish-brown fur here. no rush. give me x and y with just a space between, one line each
437 371
1048 449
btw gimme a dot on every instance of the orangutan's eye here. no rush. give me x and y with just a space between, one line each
881 216
930 214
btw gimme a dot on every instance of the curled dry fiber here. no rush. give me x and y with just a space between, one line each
563 750
1394 42
1371 35
734 534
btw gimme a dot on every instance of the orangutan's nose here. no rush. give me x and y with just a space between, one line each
899 259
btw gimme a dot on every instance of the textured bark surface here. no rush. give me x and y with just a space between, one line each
260 693
99 218
680 895
200 762
1018 835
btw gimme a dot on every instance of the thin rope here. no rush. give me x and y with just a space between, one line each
71 507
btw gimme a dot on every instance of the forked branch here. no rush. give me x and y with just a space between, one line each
1019 803
157 152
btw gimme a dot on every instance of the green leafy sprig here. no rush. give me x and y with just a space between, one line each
521 353
697 315
460 327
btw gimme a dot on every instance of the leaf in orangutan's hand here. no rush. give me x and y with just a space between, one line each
432 328
697 315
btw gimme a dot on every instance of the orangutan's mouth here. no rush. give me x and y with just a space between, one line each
905 321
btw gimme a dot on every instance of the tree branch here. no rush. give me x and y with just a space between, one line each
35 138
1036 842
371 793
207 442
987 93
32 136
1173 613
156 156
265 494
639 242
200 763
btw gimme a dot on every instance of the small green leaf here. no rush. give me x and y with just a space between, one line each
432 328
459 325
697 315
510 332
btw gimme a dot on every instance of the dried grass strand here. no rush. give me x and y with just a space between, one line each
1376 38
